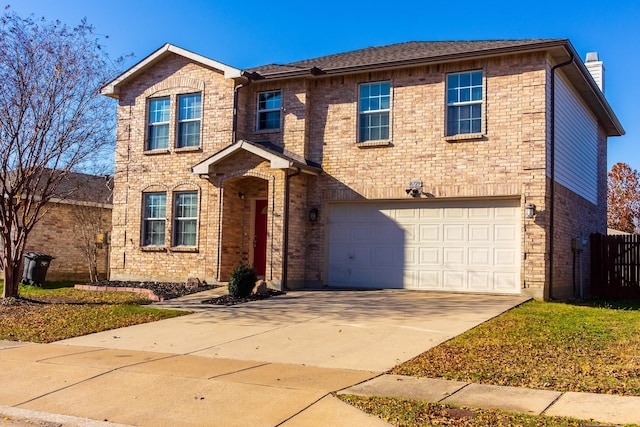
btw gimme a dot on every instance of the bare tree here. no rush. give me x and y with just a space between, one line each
52 118
90 222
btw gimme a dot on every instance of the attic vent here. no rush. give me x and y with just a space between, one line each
596 68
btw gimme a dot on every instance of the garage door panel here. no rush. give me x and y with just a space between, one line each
504 257
480 233
387 234
430 256
454 232
480 213
429 279
505 233
454 256
505 281
429 213
464 246
504 212
455 213
454 280
360 233
480 256
429 232
480 280
387 256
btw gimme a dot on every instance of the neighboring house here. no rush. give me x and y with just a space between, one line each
401 166
80 209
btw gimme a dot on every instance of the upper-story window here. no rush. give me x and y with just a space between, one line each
158 135
373 108
464 103
185 219
269 104
189 116
155 217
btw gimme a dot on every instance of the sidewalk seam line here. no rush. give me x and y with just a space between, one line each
552 403
454 393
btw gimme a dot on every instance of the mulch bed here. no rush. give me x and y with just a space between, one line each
163 290
230 300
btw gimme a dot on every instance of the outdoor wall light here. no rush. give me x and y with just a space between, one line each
313 214
241 195
529 210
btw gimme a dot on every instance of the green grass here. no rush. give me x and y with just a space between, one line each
58 311
415 413
583 348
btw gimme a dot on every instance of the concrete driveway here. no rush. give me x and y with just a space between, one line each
362 330
267 363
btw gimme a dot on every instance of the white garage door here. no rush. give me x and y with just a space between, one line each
454 246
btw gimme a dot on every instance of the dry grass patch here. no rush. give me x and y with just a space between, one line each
414 413
541 345
58 312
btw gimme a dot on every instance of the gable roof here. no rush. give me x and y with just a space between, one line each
111 89
277 157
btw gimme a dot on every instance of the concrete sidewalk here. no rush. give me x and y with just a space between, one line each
124 387
583 406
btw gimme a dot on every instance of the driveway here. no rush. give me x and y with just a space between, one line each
267 363
362 330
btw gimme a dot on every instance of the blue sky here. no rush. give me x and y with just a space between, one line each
248 33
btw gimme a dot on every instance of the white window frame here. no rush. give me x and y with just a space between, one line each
178 218
460 102
147 220
182 121
265 111
156 124
365 112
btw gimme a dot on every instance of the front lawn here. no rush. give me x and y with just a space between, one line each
542 345
592 347
57 311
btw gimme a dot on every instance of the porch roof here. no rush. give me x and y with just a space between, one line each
278 157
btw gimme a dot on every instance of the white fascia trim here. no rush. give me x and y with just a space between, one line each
276 162
229 72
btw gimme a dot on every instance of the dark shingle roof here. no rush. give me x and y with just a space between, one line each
401 54
80 187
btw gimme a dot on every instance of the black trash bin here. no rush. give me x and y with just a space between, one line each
35 268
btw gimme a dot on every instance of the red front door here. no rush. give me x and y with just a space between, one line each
260 238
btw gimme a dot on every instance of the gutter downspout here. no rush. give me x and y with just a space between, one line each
553 167
236 89
285 255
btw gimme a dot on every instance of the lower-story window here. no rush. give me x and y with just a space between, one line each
185 219
155 214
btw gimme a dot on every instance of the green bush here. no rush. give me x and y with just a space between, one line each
243 279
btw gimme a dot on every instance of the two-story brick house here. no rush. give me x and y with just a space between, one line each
401 166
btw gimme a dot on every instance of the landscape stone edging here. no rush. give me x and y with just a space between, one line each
148 292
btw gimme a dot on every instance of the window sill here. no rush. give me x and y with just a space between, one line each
465 137
263 131
156 152
373 144
153 249
192 249
187 149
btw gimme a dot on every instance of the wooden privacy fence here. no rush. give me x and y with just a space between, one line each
615 266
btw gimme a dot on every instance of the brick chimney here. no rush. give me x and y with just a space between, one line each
596 68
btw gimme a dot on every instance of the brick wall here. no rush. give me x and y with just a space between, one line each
319 117
58 235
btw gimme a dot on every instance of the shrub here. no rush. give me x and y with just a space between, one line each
243 279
